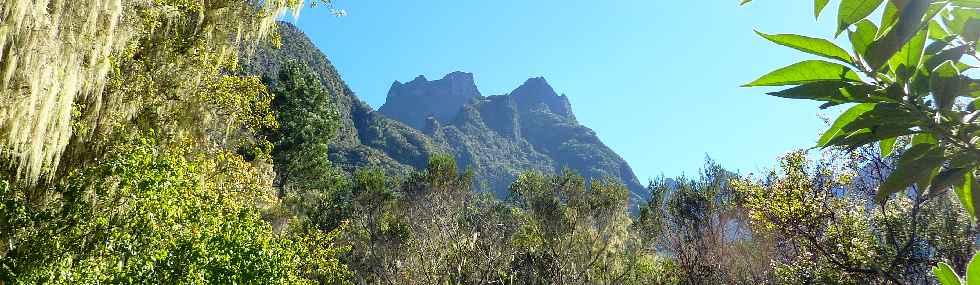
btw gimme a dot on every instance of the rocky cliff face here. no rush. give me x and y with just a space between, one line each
531 128
413 102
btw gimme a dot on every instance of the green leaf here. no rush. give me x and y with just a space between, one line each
806 72
958 20
953 54
846 118
907 59
948 178
884 121
833 92
887 146
964 191
852 11
973 270
966 3
818 6
945 84
916 164
815 46
924 138
945 274
888 18
907 25
883 114
862 137
862 36
937 32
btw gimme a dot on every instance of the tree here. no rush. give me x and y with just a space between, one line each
76 69
120 122
308 122
906 76
827 229
145 216
700 223
571 231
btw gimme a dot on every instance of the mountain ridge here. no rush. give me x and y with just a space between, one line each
531 128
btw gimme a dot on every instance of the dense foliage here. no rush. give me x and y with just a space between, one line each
906 78
136 150
431 228
123 129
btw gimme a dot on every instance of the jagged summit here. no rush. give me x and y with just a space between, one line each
413 102
530 128
536 91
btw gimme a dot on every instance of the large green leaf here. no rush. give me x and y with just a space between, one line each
818 6
948 178
852 11
973 270
958 20
883 114
945 274
886 146
945 84
806 72
966 3
937 32
884 121
964 189
908 25
815 46
846 118
924 138
853 139
833 92
954 54
862 36
915 165
906 60
888 18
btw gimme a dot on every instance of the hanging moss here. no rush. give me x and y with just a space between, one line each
58 56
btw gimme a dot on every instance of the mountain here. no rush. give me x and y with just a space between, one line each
365 138
413 102
531 128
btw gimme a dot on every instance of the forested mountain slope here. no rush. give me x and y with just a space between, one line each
365 137
532 128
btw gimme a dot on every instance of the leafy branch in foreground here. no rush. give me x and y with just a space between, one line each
906 77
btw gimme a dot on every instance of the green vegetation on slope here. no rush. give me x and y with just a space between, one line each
160 162
138 176
498 136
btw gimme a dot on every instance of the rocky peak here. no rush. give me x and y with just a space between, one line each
420 98
536 91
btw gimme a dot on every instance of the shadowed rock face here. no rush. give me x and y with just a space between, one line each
413 102
531 128
536 91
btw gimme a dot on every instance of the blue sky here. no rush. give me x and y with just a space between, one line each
657 80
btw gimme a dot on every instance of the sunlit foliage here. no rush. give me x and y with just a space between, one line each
829 229
144 216
76 66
